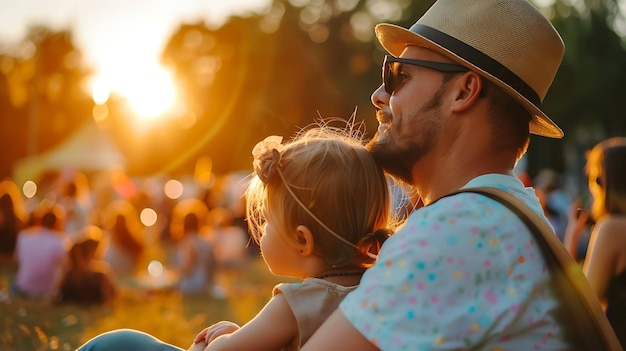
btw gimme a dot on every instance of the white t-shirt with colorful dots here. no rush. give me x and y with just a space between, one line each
461 273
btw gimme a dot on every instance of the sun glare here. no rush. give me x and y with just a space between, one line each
100 91
150 91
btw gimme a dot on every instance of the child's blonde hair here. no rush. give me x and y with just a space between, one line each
327 181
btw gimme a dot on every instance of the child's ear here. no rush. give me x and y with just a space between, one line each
304 240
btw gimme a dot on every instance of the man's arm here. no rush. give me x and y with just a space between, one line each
337 333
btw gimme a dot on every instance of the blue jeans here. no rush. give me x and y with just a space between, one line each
126 340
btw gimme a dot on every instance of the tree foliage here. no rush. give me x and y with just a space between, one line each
278 71
42 99
585 98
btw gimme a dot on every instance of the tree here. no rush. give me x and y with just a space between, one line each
277 72
42 99
586 96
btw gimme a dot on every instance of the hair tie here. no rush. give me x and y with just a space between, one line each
267 157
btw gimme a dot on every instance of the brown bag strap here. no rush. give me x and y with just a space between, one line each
581 297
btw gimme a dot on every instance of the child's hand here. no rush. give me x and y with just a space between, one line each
217 329
201 336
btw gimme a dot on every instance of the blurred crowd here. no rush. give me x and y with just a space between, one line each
80 237
559 194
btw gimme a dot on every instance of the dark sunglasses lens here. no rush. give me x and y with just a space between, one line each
388 77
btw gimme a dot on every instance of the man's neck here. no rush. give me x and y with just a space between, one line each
443 175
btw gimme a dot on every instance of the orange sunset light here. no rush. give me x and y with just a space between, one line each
149 90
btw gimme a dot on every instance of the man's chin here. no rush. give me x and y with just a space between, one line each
393 162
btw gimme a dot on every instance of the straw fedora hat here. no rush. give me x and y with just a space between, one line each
508 42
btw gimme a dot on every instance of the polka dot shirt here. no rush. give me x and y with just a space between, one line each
461 273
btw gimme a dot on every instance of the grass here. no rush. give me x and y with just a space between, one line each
165 314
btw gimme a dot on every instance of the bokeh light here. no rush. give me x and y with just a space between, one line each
148 217
173 189
29 189
155 268
122 184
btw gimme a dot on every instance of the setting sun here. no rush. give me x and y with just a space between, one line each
149 90
151 93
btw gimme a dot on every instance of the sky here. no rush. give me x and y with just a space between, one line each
118 38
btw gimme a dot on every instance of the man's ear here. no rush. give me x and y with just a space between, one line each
304 240
467 91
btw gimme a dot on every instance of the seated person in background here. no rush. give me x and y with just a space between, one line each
89 280
194 258
124 245
41 253
319 207
13 217
229 239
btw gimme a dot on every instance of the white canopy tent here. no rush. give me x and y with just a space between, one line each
89 149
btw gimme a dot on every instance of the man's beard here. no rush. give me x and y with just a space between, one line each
398 159
395 160
398 156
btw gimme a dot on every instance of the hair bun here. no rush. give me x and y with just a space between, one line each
267 156
371 243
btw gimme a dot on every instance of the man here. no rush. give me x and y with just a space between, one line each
461 92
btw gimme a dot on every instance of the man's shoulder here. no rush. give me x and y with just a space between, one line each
461 201
472 208
465 197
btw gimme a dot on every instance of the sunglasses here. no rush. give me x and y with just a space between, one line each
391 70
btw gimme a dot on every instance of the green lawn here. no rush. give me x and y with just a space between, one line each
167 315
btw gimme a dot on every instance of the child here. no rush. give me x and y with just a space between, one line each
319 207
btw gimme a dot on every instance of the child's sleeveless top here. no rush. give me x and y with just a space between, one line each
312 302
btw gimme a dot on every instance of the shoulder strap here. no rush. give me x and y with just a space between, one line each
579 296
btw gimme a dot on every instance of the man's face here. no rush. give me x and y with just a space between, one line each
410 119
